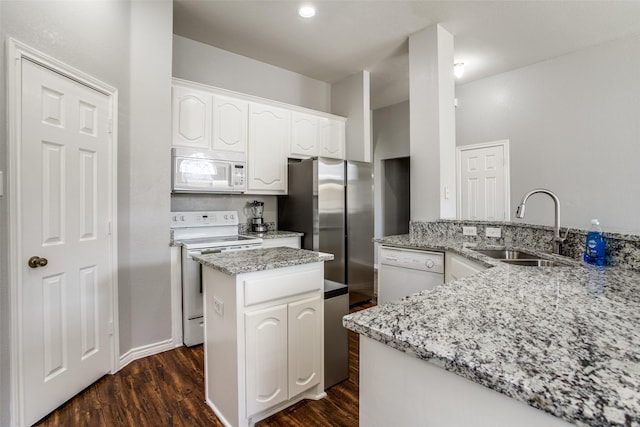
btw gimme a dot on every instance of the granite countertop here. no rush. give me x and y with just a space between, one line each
260 259
561 339
273 234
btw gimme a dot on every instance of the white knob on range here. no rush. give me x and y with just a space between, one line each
429 263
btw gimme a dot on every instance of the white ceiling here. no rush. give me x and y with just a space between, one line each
348 36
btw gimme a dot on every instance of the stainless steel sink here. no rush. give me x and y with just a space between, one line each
503 254
521 258
534 262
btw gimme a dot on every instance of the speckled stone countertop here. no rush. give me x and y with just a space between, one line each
260 259
274 234
565 340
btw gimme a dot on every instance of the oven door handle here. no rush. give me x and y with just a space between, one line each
210 251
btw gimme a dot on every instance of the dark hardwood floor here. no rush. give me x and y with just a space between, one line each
167 389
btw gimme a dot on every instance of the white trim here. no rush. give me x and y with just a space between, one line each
176 295
145 351
504 143
16 52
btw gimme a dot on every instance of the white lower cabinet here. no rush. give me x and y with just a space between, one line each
456 267
264 341
305 323
283 352
267 362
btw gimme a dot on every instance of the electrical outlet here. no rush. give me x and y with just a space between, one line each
469 231
494 232
218 306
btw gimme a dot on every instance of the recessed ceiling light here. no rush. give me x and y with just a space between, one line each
307 11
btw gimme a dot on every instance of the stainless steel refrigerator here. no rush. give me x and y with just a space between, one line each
331 202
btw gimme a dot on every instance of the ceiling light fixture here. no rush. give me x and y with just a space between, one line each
307 11
458 69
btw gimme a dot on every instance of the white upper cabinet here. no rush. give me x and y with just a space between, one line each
332 133
305 135
191 118
269 135
210 118
230 124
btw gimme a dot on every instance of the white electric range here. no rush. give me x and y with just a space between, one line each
203 233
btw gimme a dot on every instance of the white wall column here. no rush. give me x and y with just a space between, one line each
432 125
350 98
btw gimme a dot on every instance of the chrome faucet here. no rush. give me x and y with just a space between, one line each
557 240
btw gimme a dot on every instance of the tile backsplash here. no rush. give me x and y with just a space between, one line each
226 202
623 250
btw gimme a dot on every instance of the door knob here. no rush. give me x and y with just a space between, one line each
36 261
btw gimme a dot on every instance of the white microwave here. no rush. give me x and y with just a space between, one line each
197 171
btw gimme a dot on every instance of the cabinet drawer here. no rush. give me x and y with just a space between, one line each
282 286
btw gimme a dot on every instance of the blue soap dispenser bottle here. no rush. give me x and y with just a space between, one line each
594 252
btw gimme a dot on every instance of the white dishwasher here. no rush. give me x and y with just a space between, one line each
404 272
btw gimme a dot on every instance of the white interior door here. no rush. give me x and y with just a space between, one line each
484 182
65 212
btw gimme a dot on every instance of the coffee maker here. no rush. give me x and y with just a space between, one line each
257 222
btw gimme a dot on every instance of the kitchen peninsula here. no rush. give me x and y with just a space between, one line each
487 349
263 312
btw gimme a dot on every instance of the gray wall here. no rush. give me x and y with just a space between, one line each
209 65
96 38
390 140
145 181
573 127
350 98
4 272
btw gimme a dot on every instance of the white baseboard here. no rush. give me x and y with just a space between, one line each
146 350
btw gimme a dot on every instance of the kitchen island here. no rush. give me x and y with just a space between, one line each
488 349
263 321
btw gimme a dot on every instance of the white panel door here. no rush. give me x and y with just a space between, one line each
305 135
483 183
268 138
266 358
65 187
305 344
230 123
191 118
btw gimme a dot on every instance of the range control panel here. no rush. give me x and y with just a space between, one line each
203 219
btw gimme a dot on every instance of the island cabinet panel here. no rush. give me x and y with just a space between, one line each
191 117
305 326
264 340
398 389
266 343
268 138
263 289
230 124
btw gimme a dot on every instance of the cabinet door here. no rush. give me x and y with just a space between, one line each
305 344
268 138
456 267
305 135
332 137
266 358
191 118
230 124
